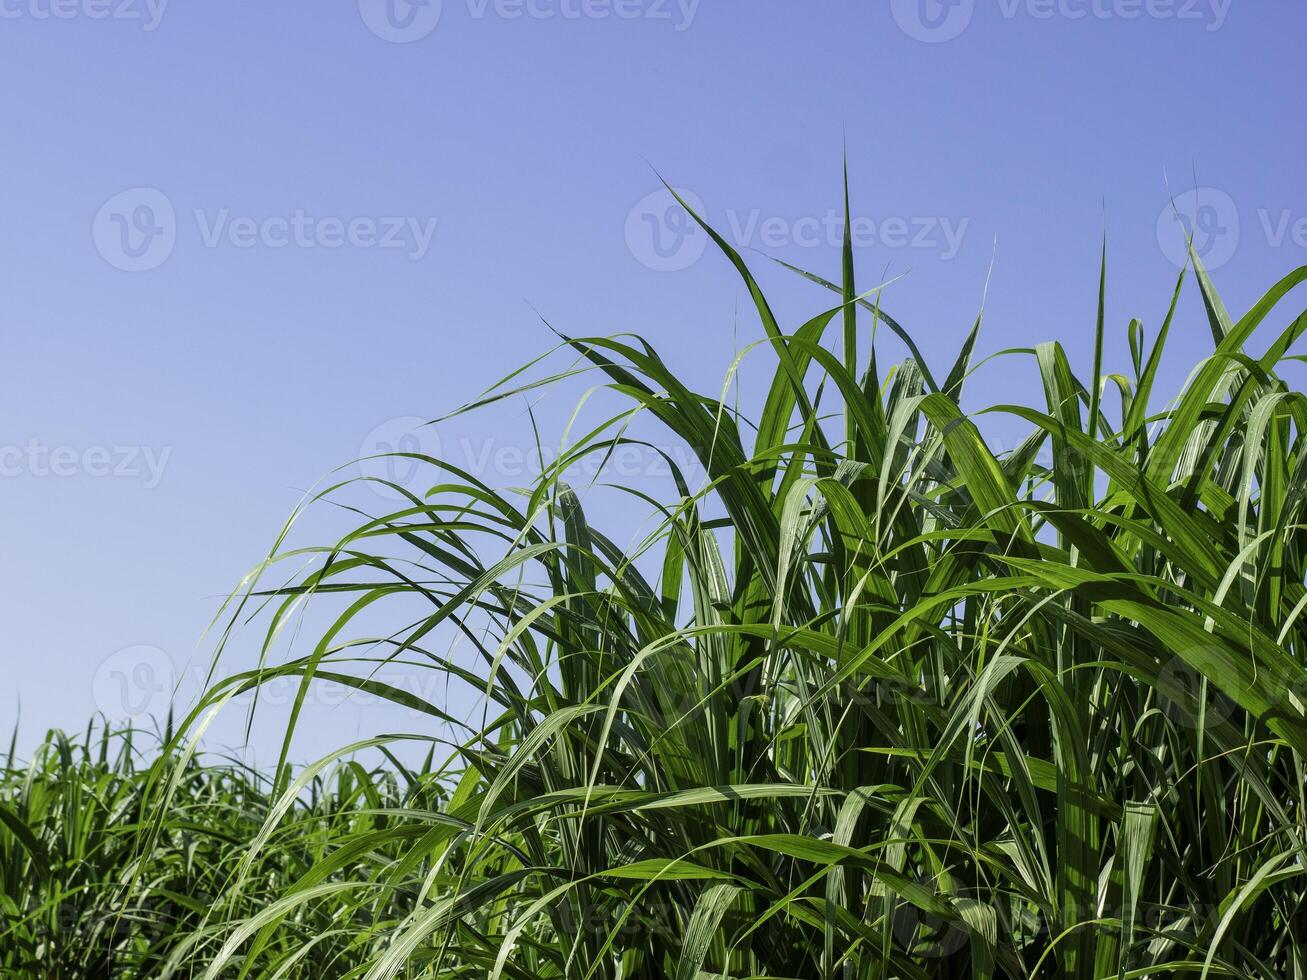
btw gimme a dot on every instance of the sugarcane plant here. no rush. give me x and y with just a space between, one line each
866 698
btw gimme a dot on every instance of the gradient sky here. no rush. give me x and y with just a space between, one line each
240 240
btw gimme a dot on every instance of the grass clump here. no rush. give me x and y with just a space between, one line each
101 881
869 699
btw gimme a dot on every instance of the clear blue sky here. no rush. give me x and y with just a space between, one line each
239 238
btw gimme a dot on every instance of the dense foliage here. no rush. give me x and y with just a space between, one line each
98 881
869 700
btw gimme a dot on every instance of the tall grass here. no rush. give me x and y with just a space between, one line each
869 700
98 881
